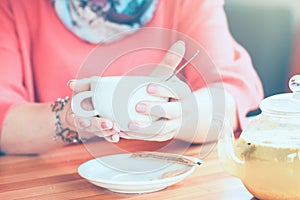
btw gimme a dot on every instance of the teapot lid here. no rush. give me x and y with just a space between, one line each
287 103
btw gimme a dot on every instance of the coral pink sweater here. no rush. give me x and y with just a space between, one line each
39 55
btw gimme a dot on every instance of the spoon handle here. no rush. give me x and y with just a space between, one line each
175 158
183 66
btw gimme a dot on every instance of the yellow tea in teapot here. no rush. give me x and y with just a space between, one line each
271 168
266 157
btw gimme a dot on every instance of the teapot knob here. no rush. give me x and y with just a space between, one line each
294 84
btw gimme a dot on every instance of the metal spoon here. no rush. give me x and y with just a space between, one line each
183 66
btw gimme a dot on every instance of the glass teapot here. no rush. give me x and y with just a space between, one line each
266 157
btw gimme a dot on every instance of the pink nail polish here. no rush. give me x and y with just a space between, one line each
106 125
141 107
115 138
181 42
152 89
71 84
84 123
133 126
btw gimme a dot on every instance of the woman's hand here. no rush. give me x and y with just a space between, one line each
190 116
173 115
99 126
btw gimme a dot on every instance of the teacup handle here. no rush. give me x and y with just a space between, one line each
76 104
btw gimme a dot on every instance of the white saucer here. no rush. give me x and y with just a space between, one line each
123 174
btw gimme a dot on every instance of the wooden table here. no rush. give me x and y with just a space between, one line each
54 176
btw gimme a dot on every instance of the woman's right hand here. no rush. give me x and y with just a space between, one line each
99 126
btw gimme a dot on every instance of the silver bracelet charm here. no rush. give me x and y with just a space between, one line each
66 134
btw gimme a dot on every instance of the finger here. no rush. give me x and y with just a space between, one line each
94 125
170 61
174 54
110 135
116 137
172 89
123 134
169 110
113 138
104 134
116 128
80 84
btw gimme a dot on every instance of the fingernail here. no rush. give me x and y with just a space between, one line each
106 125
71 84
152 89
141 107
133 126
84 123
181 42
115 138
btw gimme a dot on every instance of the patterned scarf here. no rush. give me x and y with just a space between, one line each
104 21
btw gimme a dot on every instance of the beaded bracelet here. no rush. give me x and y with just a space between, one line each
66 134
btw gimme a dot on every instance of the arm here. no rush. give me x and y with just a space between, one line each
231 61
206 128
28 127
16 90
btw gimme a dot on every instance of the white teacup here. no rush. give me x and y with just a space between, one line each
116 97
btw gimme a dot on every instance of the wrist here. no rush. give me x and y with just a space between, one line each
66 134
66 117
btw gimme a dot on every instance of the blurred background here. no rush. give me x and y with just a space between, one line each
270 31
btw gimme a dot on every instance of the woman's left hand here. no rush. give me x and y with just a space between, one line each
169 115
172 116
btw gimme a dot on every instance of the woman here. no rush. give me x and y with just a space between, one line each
43 44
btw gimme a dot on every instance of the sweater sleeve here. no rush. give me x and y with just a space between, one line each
13 88
205 21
